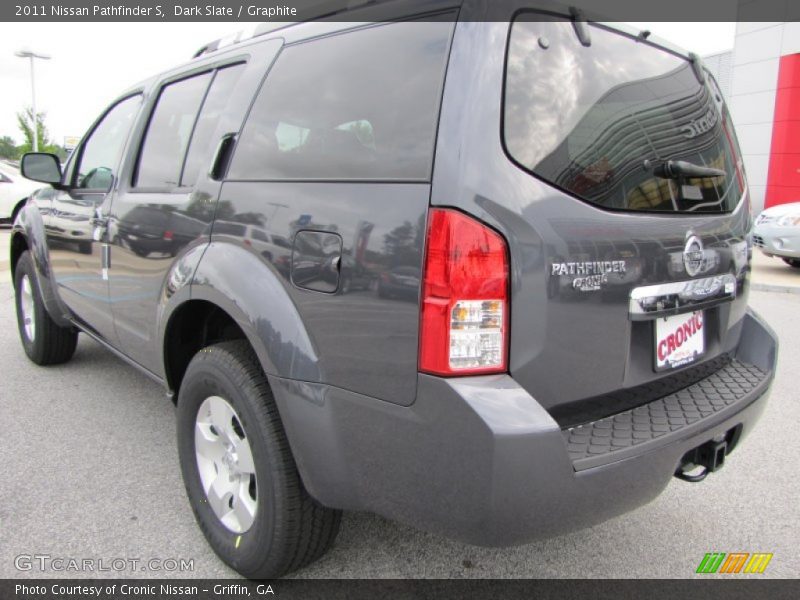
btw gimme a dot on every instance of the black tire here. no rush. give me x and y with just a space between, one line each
51 344
792 262
290 529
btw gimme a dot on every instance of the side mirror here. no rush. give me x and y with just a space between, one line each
42 167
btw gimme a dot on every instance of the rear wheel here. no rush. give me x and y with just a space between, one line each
792 262
45 342
238 469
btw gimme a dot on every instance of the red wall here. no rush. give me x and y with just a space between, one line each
783 180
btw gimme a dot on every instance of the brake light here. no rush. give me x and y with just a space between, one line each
464 319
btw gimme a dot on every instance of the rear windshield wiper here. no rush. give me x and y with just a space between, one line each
676 169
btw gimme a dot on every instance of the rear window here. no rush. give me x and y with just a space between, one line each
599 121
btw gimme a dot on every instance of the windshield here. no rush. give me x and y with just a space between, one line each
601 121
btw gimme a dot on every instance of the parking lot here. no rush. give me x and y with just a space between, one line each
90 470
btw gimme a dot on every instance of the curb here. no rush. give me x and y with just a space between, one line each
769 287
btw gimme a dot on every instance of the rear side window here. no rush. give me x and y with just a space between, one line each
598 121
168 132
215 102
358 105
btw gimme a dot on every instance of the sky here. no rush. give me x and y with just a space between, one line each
92 63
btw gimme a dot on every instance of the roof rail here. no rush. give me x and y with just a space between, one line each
229 40
322 9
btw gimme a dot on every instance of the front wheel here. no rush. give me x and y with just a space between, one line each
239 472
44 341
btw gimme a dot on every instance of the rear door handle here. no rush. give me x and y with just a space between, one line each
221 155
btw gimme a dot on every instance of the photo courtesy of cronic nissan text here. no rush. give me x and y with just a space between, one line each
399 299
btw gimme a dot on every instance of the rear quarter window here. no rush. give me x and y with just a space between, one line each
357 105
212 109
586 119
169 131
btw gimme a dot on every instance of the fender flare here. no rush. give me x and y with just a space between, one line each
252 294
30 225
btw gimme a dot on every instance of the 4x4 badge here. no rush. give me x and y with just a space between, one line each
693 255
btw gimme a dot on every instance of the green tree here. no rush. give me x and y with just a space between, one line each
8 148
25 122
400 246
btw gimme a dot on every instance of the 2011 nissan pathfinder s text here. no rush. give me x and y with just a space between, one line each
487 277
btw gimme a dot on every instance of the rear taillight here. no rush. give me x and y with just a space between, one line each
464 326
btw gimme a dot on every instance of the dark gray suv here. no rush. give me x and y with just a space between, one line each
486 276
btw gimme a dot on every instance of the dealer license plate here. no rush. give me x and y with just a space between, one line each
680 340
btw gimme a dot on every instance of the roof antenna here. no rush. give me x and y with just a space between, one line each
579 24
643 35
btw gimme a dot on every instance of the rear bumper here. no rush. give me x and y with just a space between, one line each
478 459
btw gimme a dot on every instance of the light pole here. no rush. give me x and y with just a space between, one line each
26 53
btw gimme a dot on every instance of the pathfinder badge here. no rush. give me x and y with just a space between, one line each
590 276
702 125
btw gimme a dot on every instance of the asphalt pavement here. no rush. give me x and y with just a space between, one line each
90 470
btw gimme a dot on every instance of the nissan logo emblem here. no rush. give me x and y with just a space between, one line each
693 255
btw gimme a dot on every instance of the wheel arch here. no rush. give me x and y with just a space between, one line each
192 326
235 295
18 209
28 234
18 245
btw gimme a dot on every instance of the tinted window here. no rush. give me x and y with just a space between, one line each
213 105
359 105
168 132
260 236
102 151
280 241
228 228
587 118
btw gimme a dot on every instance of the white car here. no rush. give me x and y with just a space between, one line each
14 190
777 233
